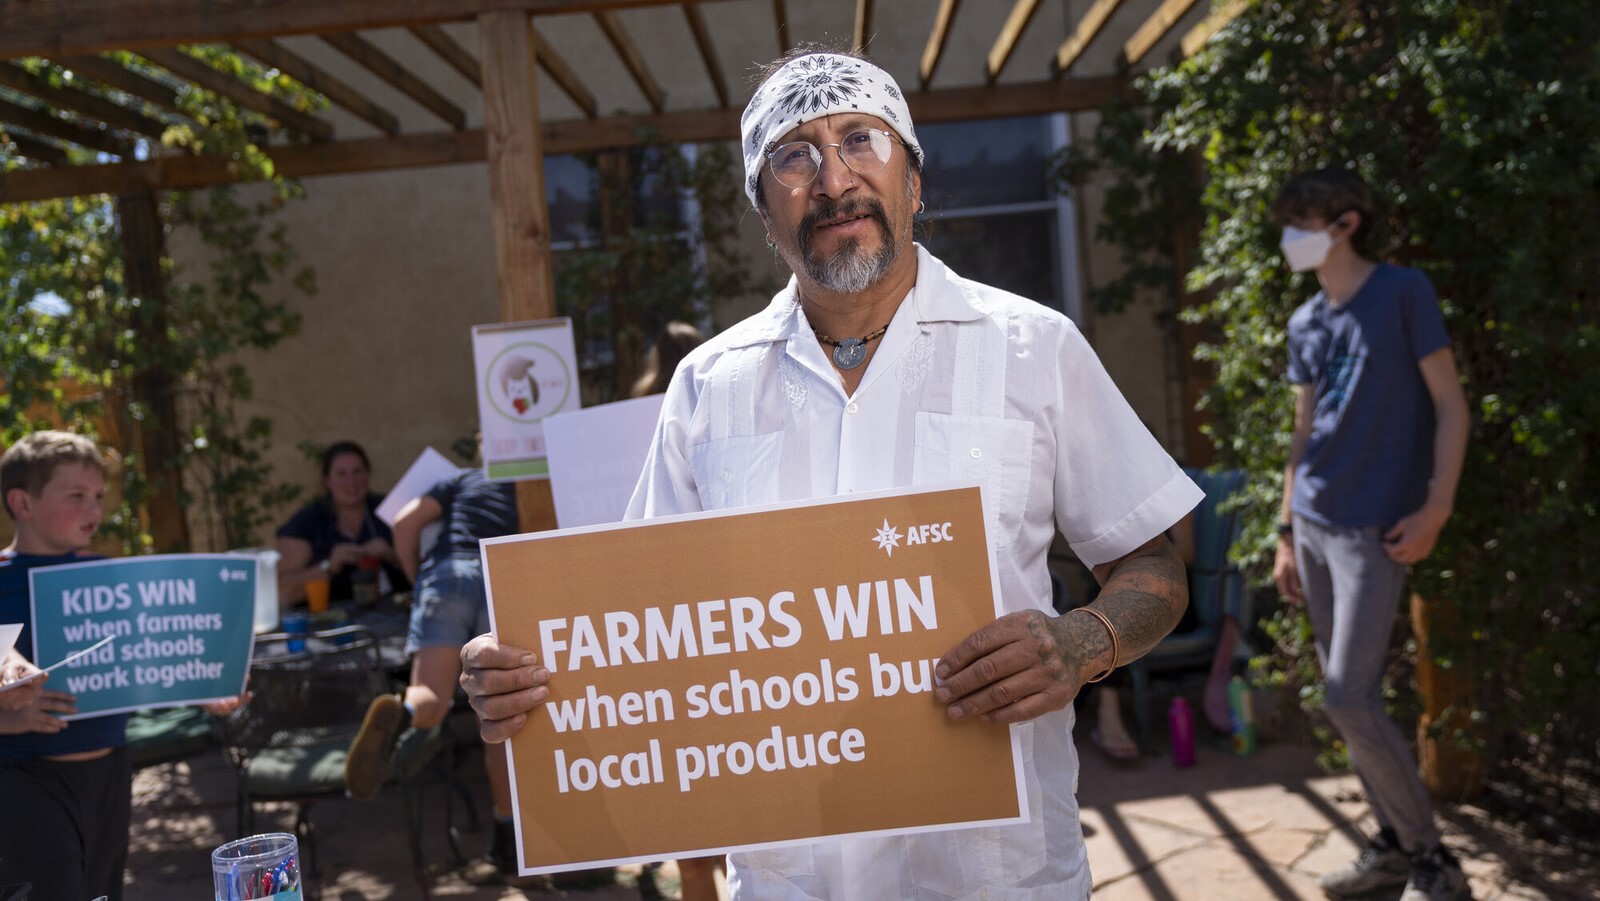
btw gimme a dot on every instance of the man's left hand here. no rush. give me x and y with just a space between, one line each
1411 539
1020 666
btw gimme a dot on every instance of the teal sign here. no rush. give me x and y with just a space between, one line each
179 624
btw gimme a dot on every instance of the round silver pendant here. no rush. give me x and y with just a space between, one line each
849 353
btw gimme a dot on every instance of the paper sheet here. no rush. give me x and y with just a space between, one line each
58 664
429 469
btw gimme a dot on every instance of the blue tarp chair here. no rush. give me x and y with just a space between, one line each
1217 592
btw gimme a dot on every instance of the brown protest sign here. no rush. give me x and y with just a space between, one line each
728 680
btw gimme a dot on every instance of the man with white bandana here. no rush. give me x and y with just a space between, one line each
877 367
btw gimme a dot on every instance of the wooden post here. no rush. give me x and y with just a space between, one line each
1451 773
154 437
515 149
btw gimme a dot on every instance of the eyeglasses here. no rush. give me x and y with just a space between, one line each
797 163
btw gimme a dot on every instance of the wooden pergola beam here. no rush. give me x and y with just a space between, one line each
1153 30
937 39
72 27
1088 28
861 38
190 69
1214 22
558 70
780 16
1011 32
454 55
38 151
708 53
570 136
368 56
114 75
83 103
618 36
43 124
279 57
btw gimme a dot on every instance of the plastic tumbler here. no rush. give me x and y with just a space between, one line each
296 626
260 866
317 594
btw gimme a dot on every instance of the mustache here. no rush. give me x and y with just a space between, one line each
830 211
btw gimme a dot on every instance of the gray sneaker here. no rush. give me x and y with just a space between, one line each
1381 869
1436 876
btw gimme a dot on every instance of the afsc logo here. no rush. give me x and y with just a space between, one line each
888 537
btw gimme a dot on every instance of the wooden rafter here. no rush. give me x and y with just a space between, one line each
571 136
618 36
83 103
1153 30
937 39
190 69
558 70
38 151
451 52
368 56
113 74
1010 33
277 56
1214 22
780 16
71 27
1094 19
42 123
861 39
708 53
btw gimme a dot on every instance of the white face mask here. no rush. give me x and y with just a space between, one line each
1305 250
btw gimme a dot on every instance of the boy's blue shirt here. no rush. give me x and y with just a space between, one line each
87 734
1369 457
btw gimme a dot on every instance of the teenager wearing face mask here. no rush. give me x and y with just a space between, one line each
1380 429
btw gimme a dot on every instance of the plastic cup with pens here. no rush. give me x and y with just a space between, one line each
260 866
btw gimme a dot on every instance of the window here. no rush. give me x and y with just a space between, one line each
992 215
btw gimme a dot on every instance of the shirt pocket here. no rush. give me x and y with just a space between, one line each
737 471
996 453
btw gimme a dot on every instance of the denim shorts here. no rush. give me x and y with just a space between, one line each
451 605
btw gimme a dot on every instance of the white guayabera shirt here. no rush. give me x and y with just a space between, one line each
970 383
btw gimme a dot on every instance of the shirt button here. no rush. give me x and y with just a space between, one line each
851 407
976 453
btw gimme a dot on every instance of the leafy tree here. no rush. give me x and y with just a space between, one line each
84 337
1479 122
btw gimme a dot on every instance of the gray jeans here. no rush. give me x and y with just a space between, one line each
1351 589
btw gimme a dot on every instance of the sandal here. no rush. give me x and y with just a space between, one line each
1115 753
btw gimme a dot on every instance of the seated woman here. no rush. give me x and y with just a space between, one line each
329 537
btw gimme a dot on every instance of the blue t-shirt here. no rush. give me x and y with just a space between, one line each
1370 454
474 508
318 525
89 734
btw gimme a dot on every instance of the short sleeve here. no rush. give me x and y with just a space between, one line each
1116 487
1419 304
1299 372
302 525
445 490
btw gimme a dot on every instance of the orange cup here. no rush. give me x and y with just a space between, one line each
317 594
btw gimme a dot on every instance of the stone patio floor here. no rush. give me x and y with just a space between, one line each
1229 829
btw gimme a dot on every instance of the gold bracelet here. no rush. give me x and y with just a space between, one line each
1116 644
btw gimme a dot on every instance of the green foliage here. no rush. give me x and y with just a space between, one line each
646 270
1479 122
78 363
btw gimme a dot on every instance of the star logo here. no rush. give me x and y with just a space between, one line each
888 538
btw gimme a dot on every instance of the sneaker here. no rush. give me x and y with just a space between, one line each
1436 876
366 765
1382 867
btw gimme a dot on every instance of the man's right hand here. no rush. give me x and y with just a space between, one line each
1286 572
504 685
39 716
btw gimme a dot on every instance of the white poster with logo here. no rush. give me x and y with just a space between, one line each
526 371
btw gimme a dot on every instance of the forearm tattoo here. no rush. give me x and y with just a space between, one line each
1143 594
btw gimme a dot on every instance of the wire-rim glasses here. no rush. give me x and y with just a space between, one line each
796 164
